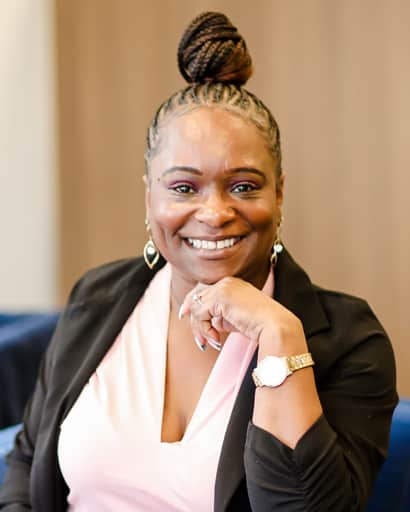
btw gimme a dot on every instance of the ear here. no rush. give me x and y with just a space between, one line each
280 185
147 195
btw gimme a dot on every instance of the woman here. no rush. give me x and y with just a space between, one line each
148 397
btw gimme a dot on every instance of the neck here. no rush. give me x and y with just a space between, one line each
180 287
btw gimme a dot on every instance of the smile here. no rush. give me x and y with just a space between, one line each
213 245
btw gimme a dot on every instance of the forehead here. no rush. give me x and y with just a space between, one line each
211 139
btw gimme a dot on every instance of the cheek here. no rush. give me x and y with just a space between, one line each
166 218
263 216
163 223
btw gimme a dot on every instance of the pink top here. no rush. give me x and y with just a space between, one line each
110 450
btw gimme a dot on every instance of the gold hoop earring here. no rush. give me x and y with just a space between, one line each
277 247
151 253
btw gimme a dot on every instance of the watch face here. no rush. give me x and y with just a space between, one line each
272 371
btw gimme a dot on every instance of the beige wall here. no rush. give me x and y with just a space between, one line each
335 74
27 156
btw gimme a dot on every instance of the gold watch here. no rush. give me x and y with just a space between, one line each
272 371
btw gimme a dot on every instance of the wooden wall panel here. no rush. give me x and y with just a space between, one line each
335 75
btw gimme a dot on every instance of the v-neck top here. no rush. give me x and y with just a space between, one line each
110 450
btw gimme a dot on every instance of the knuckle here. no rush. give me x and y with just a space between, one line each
227 281
207 328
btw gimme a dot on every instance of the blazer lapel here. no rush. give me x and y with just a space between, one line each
97 323
294 290
115 316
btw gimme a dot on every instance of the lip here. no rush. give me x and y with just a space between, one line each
213 238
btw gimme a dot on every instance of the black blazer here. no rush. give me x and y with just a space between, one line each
332 467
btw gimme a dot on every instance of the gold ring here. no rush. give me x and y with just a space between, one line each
198 299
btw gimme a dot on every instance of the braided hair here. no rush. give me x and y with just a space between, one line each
214 60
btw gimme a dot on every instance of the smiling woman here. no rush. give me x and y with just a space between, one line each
213 182
287 403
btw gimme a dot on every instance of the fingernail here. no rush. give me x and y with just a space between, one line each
201 347
214 344
180 315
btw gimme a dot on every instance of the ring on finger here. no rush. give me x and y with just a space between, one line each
197 298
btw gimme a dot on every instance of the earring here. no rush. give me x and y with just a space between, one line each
151 253
277 244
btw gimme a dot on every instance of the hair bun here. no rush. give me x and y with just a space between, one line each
212 50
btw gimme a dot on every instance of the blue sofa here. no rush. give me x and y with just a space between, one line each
6 442
392 488
23 339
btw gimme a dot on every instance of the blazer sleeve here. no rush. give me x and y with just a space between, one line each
335 463
15 491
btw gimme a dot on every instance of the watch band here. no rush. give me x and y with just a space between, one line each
300 361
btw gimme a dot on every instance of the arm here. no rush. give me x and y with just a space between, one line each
335 462
15 491
315 444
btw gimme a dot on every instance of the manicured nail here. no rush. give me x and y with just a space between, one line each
201 347
180 314
214 344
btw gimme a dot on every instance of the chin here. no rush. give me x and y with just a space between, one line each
211 280
213 275
203 275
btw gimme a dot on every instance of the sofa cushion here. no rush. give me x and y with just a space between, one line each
23 340
6 443
392 487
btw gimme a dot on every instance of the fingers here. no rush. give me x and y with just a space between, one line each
193 296
230 305
200 344
221 324
198 304
214 344
234 305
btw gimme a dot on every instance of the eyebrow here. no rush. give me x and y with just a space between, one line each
193 170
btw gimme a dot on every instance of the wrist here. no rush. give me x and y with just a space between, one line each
282 340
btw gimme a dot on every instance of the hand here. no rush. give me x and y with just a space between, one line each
231 305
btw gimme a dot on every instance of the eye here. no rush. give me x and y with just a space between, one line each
182 188
243 187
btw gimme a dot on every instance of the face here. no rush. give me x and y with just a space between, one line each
212 199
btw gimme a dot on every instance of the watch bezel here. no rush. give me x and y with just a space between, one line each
272 371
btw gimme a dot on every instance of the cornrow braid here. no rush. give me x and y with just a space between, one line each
228 97
214 60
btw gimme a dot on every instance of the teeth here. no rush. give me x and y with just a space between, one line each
210 245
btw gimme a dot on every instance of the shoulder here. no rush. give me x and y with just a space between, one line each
344 309
356 347
352 322
108 281
341 316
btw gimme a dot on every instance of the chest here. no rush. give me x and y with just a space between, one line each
186 374
122 405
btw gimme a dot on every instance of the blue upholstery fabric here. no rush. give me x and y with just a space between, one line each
392 488
23 339
7 319
6 443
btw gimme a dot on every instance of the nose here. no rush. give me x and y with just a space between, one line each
215 211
